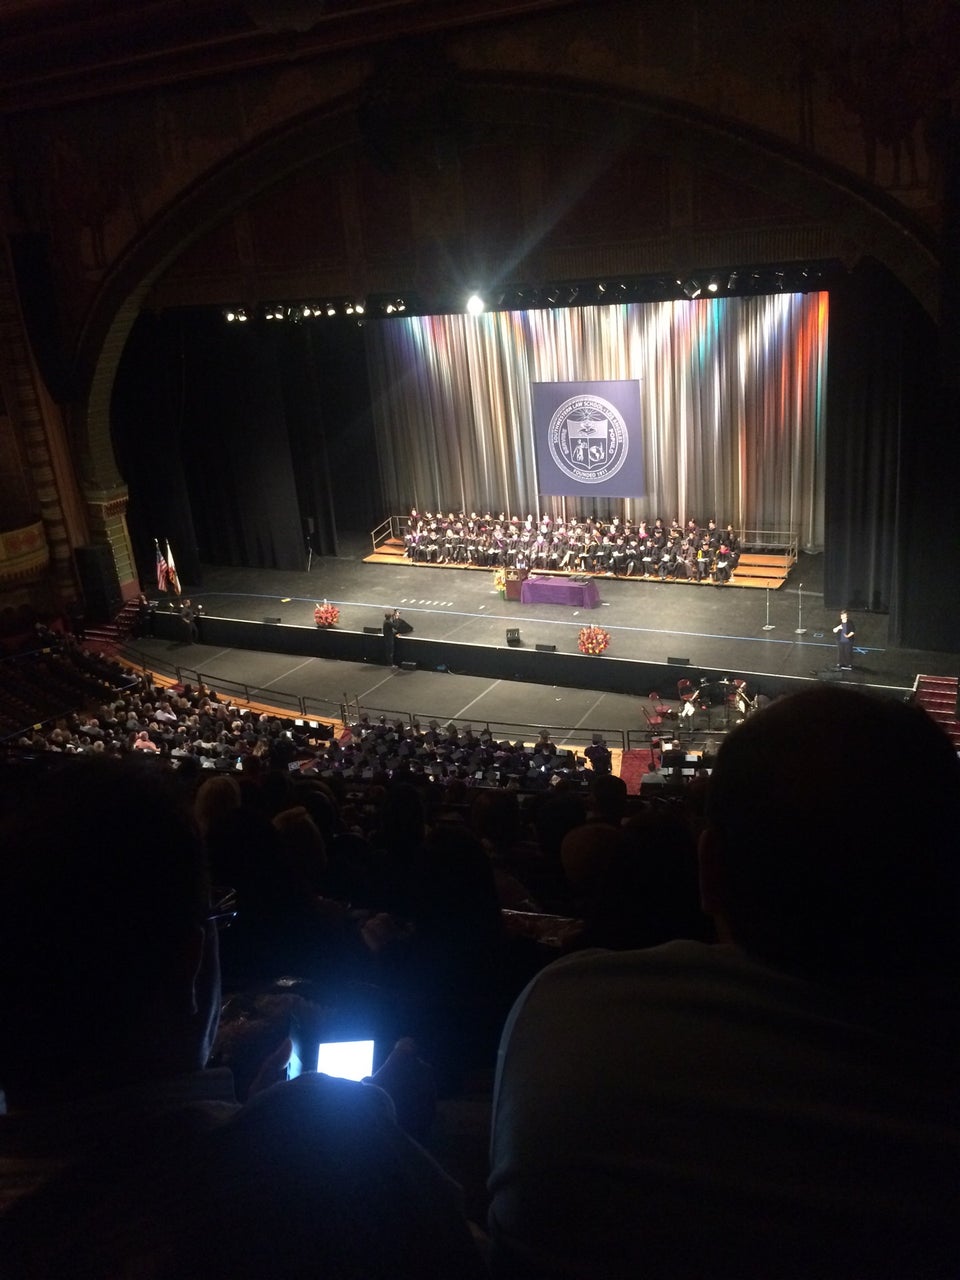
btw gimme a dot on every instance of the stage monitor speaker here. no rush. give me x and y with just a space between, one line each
678 662
99 582
513 636
372 631
271 621
408 666
546 648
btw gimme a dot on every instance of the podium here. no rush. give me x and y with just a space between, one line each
515 580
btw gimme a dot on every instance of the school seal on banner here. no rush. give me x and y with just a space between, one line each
588 439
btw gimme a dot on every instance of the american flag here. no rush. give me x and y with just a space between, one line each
172 570
162 570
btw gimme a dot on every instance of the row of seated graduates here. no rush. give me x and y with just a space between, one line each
385 748
51 674
615 548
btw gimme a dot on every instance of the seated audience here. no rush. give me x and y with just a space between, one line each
120 1154
784 1103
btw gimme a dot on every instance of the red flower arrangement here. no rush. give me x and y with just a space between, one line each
326 614
593 639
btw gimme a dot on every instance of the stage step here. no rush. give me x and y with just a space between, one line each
938 697
768 572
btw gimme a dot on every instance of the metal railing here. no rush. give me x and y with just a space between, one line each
384 531
785 542
296 703
561 735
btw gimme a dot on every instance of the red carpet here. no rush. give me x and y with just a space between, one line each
632 768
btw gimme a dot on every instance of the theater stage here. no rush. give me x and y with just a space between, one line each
464 666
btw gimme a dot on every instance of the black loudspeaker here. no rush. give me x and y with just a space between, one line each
271 621
99 582
408 666
513 636
679 662
546 648
372 631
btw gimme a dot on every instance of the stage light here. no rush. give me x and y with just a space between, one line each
692 288
229 315
331 309
358 308
475 304
390 308
713 285
349 308
241 315
733 280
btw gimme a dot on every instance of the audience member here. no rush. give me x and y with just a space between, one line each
119 1153
783 1103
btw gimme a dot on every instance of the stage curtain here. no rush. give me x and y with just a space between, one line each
892 440
732 394
238 441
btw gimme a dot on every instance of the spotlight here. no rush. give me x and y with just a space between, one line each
241 315
475 304
692 288
390 308
733 280
349 308
331 309
229 315
553 296
713 285
358 308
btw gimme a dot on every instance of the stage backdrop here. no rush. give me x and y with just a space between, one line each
731 397
588 438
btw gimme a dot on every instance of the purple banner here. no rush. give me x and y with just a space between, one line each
588 438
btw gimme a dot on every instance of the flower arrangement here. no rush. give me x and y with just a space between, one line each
593 639
500 580
326 614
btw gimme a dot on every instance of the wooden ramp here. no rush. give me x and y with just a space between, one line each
754 570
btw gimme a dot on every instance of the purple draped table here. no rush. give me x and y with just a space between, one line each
560 591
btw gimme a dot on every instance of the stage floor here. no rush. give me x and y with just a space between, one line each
719 630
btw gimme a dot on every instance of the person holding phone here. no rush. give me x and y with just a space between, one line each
121 1152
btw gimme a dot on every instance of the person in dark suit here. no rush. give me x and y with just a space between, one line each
393 626
844 632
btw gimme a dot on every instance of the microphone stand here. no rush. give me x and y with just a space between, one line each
801 629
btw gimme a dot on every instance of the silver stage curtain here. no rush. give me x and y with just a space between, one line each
732 404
